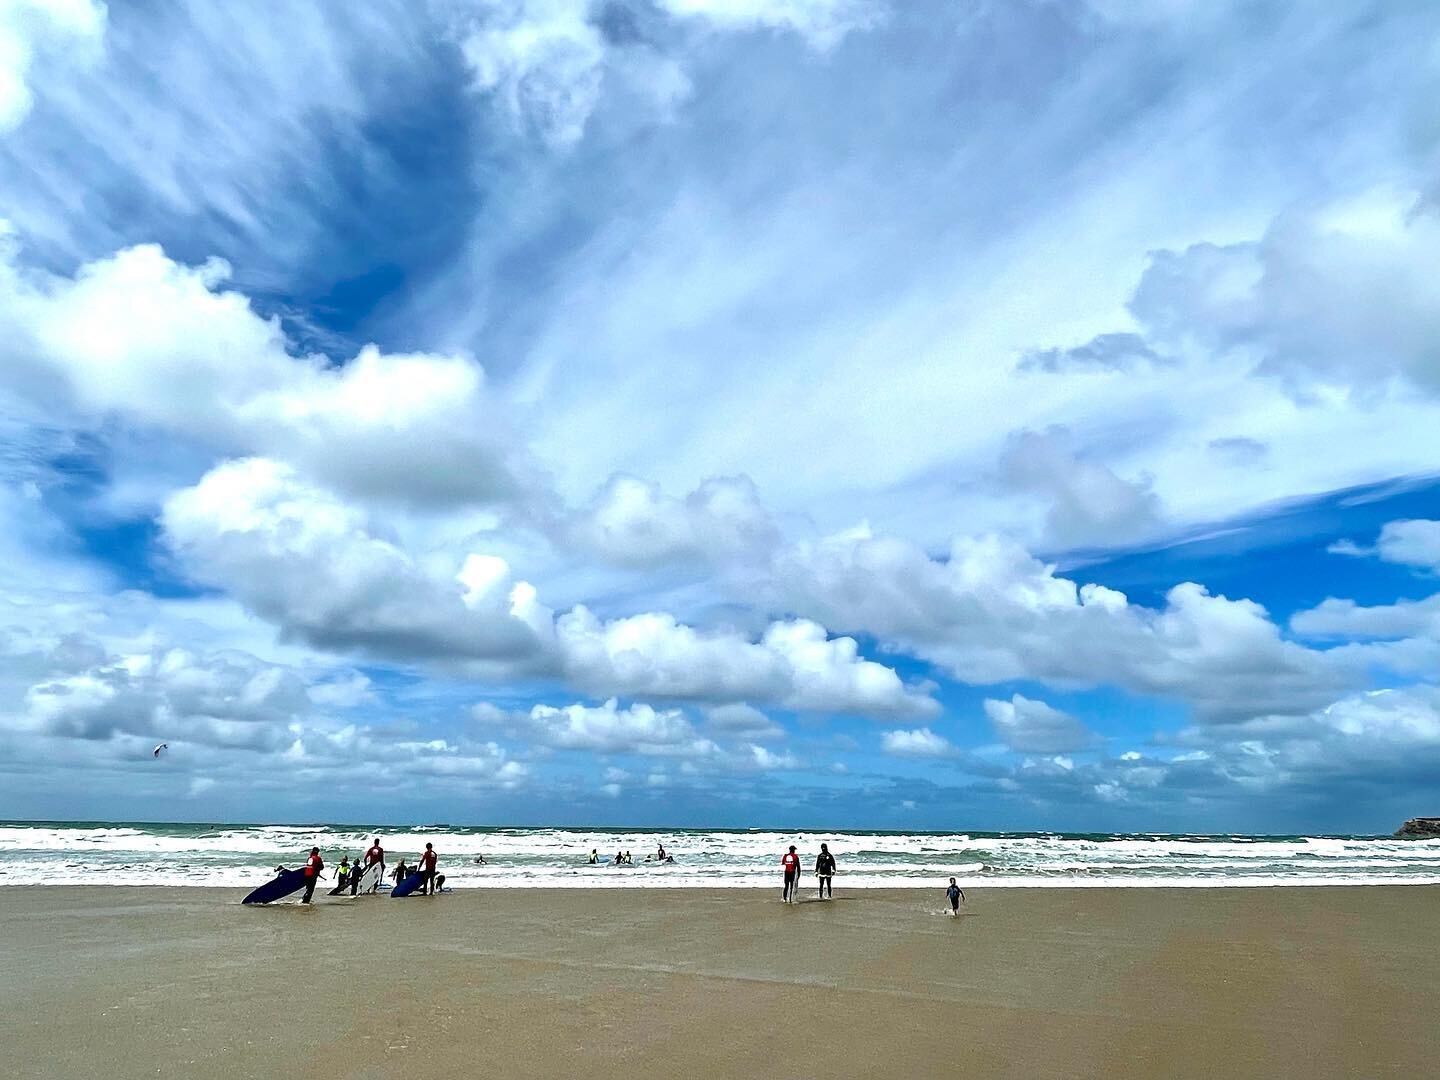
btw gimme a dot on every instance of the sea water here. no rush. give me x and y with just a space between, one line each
238 855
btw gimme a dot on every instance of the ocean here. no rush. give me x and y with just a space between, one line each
240 855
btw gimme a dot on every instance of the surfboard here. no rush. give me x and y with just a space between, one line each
343 887
368 877
278 887
408 886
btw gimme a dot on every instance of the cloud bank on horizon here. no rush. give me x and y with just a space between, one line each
813 411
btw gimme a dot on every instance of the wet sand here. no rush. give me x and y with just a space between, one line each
1310 982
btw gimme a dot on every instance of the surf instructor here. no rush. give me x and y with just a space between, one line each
427 867
376 854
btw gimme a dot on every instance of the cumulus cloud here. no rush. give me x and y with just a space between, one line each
1339 294
1412 542
298 556
1087 504
1337 618
639 728
609 729
35 32
631 522
1035 727
544 60
163 345
794 664
739 720
916 743
227 717
549 62
989 612
311 563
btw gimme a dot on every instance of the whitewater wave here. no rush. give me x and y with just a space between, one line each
127 853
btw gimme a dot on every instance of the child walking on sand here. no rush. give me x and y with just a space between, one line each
956 895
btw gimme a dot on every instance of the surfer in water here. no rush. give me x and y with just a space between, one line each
427 867
594 856
825 871
790 863
313 865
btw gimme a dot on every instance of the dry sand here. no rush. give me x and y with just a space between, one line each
1310 982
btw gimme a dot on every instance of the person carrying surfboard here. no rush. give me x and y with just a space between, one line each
376 854
790 863
313 865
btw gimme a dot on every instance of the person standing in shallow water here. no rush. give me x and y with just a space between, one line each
790 863
825 871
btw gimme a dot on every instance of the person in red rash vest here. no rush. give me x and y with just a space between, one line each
791 864
313 865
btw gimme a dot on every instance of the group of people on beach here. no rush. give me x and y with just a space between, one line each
349 874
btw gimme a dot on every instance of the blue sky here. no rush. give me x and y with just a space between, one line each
664 412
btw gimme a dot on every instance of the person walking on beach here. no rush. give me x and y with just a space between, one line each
313 865
825 871
427 867
790 863
956 895
376 854
400 873
356 872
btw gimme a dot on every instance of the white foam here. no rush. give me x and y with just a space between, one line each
240 856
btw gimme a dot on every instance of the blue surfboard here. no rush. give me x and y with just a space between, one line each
277 888
409 885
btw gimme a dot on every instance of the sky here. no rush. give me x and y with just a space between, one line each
748 413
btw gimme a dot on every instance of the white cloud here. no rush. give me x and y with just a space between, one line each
1412 542
989 612
163 345
1086 504
823 23
1335 618
226 700
549 63
609 729
298 556
631 522
544 59
1035 727
794 664
740 720
52 31
918 743
1339 294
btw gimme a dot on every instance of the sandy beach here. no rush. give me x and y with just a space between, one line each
174 982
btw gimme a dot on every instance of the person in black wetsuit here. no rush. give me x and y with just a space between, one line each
825 871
